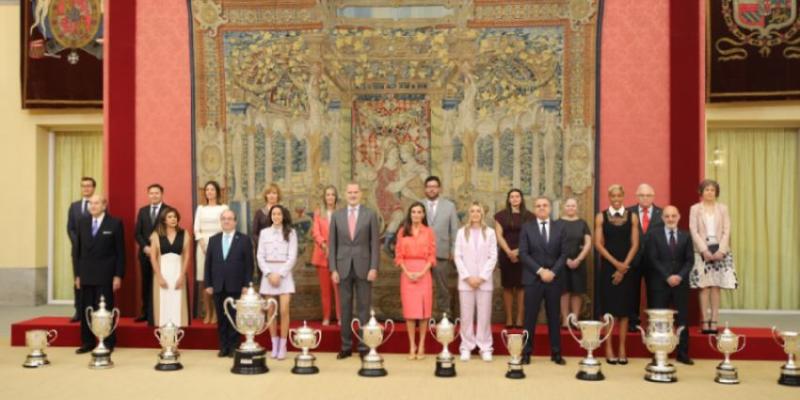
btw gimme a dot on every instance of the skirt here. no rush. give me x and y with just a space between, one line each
720 274
286 285
200 263
416 296
170 304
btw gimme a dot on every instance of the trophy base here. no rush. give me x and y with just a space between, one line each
305 370
660 373
726 374
590 376
589 370
252 362
372 372
372 366
445 369
101 361
789 380
36 361
515 372
304 365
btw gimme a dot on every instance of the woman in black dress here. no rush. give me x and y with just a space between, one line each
509 221
617 240
578 240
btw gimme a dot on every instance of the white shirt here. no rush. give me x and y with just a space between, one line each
667 230
85 204
158 208
546 223
354 210
649 213
98 220
612 210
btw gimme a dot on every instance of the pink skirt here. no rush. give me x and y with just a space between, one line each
417 296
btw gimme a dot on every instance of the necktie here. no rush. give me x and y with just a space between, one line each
672 243
153 214
85 209
95 227
351 223
645 218
432 208
226 246
544 231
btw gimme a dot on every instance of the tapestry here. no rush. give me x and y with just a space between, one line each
488 95
62 53
753 50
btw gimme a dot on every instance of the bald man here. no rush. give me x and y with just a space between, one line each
98 259
649 221
670 256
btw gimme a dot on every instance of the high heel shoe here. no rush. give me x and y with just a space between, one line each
706 330
713 329
612 361
412 353
421 353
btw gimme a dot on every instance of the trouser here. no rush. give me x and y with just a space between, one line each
551 294
228 336
146 269
441 274
325 286
679 297
90 297
476 302
362 289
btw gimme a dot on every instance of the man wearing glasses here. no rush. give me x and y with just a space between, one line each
649 221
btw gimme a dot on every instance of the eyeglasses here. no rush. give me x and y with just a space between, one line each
645 195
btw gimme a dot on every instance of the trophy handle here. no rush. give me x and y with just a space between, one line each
388 322
114 312
88 314
157 333
318 334
525 336
609 325
644 334
431 325
744 343
504 337
291 338
181 334
570 319
270 319
774 337
55 335
711 339
355 331
225 303
457 324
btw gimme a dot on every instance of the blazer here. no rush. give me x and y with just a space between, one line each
697 226
233 273
663 263
74 215
478 262
361 253
98 259
535 253
320 229
656 223
444 225
144 228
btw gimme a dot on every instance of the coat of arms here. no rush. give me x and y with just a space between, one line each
763 24
67 25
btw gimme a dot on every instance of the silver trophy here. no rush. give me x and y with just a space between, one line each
305 338
790 372
102 323
444 333
250 358
168 337
660 340
37 340
727 344
515 343
372 337
589 369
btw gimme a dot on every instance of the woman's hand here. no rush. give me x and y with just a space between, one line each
179 283
162 283
274 279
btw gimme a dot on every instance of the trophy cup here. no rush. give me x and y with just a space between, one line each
37 340
102 322
250 358
305 338
372 363
444 334
589 369
168 337
660 340
515 342
790 372
727 344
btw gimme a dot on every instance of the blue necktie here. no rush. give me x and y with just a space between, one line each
226 245
95 227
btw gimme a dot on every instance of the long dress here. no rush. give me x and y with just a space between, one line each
618 300
511 223
206 224
575 232
414 252
170 304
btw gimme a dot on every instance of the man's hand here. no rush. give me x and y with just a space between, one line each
547 275
146 250
116 284
674 280
78 282
372 275
335 277
210 290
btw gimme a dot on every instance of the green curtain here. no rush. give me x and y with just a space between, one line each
77 154
757 169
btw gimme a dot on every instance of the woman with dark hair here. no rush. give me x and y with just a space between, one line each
508 223
170 259
710 226
277 254
207 224
272 197
415 255
319 258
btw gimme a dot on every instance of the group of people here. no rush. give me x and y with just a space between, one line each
540 260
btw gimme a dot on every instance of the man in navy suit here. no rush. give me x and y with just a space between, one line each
649 221
543 255
98 258
146 222
78 210
670 254
228 273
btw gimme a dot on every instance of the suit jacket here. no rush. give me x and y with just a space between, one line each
233 273
697 226
98 259
535 253
144 228
478 262
320 229
445 226
74 215
663 263
361 252
656 223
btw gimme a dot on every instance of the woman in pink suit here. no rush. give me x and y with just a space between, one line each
415 254
319 258
475 257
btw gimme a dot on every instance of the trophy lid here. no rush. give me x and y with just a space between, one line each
305 329
727 331
373 322
101 308
250 296
444 322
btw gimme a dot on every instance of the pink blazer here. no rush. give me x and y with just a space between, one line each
319 231
697 226
476 262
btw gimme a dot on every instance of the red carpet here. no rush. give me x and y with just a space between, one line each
760 345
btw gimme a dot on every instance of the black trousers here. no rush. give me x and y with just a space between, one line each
362 290
147 288
228 336
77 300
90 297
678 296
551 294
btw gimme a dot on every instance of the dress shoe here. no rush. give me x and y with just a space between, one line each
229 355
83 350
526 359
623 361
632 328
684 359
141 318
344 354
75 318
556 358
222 353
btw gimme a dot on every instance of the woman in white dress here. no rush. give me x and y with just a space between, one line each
277 254
170 259
207 224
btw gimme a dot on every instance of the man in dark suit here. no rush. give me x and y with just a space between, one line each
98 258
649 221
353 261
670 254
78 210
146 222
228 273
543 255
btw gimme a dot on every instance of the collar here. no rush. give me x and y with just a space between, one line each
620 211
353 208
546 221
99 218
157 205
667 230
228 234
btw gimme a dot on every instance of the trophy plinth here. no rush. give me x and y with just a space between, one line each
727 344
250 362
168 337
250 358
372 337
790 372
660 340
305 338
102 323
589 367
515 342
444 333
